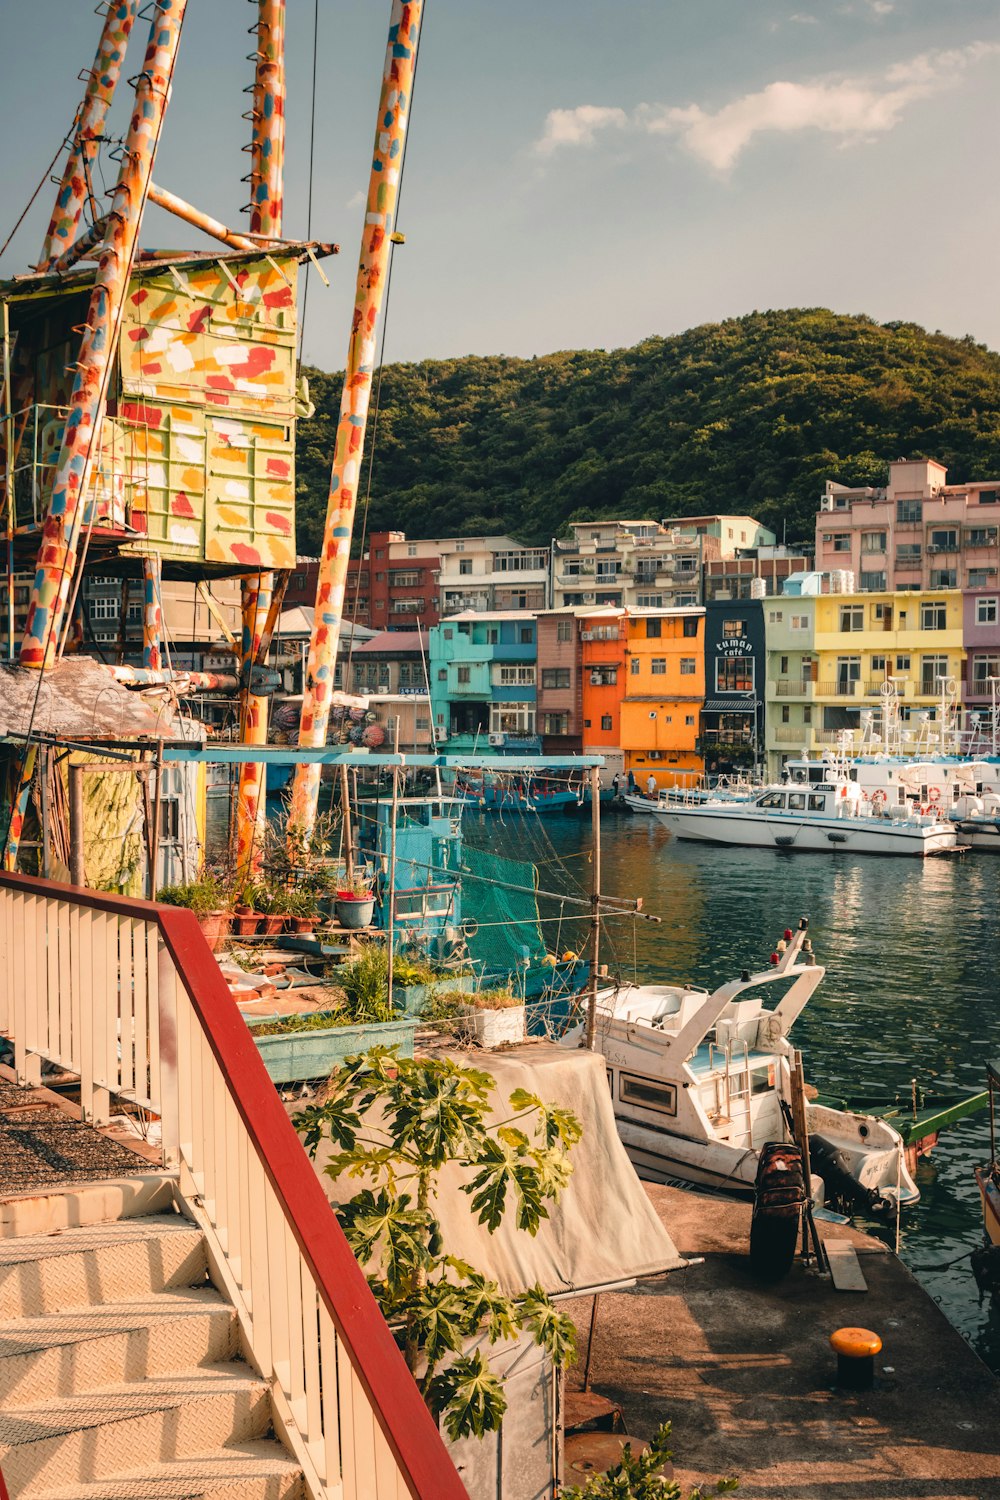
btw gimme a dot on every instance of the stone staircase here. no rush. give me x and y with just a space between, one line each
121 1373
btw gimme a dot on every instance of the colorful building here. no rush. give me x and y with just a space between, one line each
981 638
483 671
487 573
664 694
732 726
791 715
918 532
602 680
560 682
394 586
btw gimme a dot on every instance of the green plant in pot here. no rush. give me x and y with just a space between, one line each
356 900
210 900
271 904
303 909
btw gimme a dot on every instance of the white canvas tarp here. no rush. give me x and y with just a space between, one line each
603 1229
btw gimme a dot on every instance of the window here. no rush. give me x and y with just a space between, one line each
465 565
931 669
772 799
983 669
586 723
786 714
653 629
800 622
689 720
463 674
687 666
517 676
104 609
649 601
945 540
852 617
555 677
933 616
979 578
902 663
872 583
442 674
459 546
796 802
512 718
783 670
873 541
817 802
603 676
411 549
404 578
908 555
838 541
526 635
606 722
732 627
774 616
691 626
555 724
909 511
658 666
981 536
518 562
492 636
422 723
564 630
988 497
634 666
878 665
407 606
986 611
944 578
807 714
734 674
848 673
647 1094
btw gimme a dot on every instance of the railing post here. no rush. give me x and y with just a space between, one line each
168 1086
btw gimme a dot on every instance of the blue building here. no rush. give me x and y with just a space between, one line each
483 670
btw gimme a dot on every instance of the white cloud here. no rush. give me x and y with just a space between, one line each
356 199
578 127
802 19
851 109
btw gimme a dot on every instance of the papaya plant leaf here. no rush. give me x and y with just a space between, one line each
468 1396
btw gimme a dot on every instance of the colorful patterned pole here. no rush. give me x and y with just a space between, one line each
267 186
191 215
87 130
383 187
18 809
152 612
61 531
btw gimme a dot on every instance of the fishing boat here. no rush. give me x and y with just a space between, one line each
518 792
726 789
819 808
701 1081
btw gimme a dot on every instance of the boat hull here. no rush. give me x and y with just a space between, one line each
989 1191
717 825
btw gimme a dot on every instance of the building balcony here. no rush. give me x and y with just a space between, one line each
838 689
791 734
796 687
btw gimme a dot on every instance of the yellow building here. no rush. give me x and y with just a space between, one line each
863 643
664 694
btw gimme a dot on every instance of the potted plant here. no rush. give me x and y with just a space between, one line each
210 901
245 918
356 901
271 904
303 909
494 1017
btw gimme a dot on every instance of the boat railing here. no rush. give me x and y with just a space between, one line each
125 996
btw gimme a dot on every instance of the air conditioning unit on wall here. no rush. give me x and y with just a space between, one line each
496 738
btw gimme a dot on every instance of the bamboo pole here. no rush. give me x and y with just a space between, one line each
87 130
383 190
345 812
57 557
391 923
181 209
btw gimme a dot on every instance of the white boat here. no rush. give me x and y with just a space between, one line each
819 809
700 1082
974 808
726 789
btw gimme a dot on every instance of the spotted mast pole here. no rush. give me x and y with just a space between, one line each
88 128
152 612
267 163
57 555
383 189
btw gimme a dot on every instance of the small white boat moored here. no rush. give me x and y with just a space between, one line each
700 1082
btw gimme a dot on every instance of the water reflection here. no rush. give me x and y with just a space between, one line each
912 988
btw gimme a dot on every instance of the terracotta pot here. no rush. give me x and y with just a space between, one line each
304 924
216 926
247 922
272 923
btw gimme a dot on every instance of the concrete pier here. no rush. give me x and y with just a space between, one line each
745 1372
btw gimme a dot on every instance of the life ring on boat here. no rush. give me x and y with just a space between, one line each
879 800
934 794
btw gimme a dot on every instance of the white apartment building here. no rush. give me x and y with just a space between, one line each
491 573
646 564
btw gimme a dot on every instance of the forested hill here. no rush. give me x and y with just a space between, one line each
747 416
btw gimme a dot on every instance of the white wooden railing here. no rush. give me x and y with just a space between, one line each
125 996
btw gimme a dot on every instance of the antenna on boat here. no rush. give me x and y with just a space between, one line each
595 906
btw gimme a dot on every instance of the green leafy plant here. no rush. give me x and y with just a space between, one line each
210 893
638 1477
358 885
397 1122
500 998
365 981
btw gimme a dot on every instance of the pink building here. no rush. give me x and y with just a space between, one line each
917 533
559 719
981 637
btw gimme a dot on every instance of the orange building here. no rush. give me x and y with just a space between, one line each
603 677
664 695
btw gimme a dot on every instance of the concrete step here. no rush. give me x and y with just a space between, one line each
108 1262
82 1440
69 1353
76 1206
248 1471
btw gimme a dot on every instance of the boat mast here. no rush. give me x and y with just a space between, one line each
260 591
595 906
376 248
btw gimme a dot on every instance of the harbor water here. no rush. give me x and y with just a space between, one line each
912 989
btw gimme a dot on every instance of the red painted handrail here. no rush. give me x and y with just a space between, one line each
407 1425
3 1488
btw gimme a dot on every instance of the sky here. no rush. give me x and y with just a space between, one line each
581 173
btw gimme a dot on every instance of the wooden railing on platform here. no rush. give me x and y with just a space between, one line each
126 996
